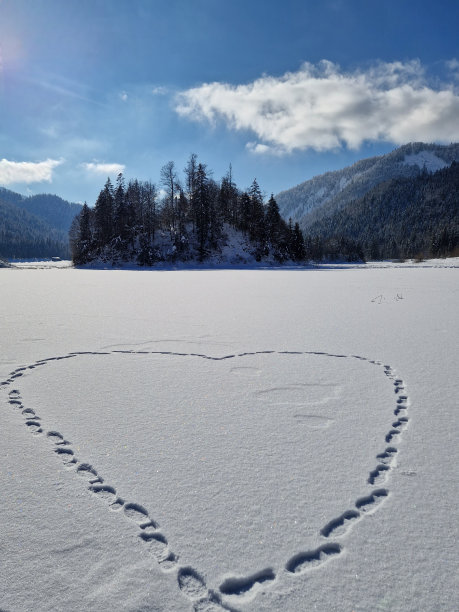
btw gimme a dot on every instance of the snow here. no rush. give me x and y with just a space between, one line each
321 192
45 263
256 440
426 159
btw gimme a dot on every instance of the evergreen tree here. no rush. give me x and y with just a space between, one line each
228 199
298 250
257 220
81 235
244 215
273 220
121 213
149 197
190 172
201 201
104 215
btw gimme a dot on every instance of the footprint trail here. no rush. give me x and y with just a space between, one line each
191 583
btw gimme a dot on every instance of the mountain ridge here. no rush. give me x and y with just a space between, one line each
324 194
35 226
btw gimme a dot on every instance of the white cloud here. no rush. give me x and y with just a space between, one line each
105 169
123 96
160 90
262 149
453 66
27 172
322 108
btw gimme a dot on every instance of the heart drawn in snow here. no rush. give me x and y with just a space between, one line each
240 471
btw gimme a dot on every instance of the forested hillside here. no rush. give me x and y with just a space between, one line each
52 209
35 226
24 236
405 217
195 218
323 195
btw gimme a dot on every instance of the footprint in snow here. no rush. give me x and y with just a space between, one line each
243 586
67 456
391 435
117 504
312 559
341 525
379 475
387 456
191 584
371 502
56 438
87 471
158 548
34 427
401 423
104 492
29 413
136 513
400 410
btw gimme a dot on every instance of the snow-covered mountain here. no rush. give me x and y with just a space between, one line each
327 193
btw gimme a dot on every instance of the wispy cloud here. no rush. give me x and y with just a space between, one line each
453 67
63 87
160 90
323 108
27 172
105 169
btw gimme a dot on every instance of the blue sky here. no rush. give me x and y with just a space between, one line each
282 90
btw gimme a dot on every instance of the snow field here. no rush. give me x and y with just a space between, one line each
210 453
269 428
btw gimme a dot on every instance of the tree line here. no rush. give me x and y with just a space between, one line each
192 217
187 217
400 218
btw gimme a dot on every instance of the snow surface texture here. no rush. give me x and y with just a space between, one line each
258 440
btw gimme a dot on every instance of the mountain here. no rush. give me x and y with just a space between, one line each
401 217
35 226
323 195
24 236
52 209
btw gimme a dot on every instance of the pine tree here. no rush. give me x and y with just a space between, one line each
201 201
190 173
104 215
244 215
149 197
298 250
121 213
257 220
80 235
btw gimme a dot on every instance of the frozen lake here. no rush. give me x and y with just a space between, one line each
260 440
